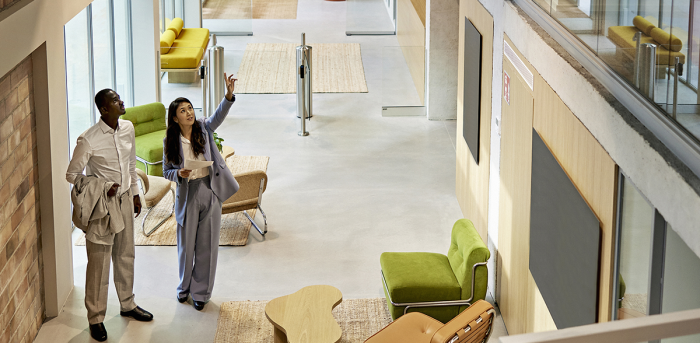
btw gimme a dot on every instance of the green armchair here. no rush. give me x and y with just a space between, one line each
149 124
437 285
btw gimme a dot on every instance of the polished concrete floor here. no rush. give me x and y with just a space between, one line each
358 185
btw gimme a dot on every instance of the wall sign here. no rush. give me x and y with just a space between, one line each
506 87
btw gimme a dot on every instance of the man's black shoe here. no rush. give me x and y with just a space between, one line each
138 314
98 332
198 305
181 298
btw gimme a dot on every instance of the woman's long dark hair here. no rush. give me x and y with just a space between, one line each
172 135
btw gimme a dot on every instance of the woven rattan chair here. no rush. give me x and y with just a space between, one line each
249 196
154 189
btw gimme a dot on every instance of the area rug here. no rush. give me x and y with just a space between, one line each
235 227
245 321
637 302
270 68
247 9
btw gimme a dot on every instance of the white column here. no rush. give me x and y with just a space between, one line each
441 42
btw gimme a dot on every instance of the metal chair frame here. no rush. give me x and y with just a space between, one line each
143 221
147 163
467 302
260 193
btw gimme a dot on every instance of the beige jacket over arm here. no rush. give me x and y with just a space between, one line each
92 208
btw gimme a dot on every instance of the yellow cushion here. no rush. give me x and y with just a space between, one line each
622 37
166 41
195 37
666 39
643 25
187 50
176 26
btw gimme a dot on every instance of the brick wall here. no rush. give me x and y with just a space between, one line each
22 308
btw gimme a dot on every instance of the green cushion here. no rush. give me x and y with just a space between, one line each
418 276
146 118
150 146
466 249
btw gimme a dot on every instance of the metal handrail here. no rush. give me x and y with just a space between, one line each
467 302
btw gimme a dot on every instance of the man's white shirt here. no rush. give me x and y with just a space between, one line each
108 154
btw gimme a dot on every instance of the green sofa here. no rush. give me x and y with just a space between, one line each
149 124
437 285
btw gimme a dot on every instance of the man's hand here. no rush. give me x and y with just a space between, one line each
137 205
113 190
184 173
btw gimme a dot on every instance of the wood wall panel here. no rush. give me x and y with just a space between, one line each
472 184
585 161
420 7
410 32
515 292
589 167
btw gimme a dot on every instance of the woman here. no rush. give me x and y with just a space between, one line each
200 193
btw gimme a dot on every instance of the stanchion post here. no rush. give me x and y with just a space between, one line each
216 74
303 84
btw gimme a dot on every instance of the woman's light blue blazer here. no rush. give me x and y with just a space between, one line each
223 184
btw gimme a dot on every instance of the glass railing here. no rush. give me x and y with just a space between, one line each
652 44
673 327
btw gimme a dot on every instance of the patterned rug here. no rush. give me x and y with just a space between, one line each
245 321
270 68
235 227
247 9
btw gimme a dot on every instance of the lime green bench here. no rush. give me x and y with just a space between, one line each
434 284
149 124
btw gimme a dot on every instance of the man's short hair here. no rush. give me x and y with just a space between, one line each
101 98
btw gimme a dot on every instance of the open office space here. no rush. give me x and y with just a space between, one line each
566 133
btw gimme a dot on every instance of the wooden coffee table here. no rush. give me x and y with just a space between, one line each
305 316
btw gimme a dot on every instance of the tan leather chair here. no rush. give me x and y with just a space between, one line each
472 325
154 188
249 196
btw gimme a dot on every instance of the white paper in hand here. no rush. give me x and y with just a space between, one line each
193 164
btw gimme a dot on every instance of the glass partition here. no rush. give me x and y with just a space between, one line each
681 280
228 17
78 80
102 37
634 256
657 52
368 17
123 51
403 80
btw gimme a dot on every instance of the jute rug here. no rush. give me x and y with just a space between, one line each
247 9
245 321
270 68
235 227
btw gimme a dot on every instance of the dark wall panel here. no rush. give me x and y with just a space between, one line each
564 242
471 107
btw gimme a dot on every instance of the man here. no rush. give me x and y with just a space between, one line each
107 149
